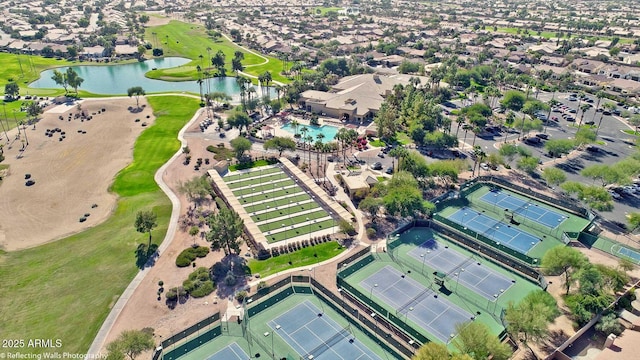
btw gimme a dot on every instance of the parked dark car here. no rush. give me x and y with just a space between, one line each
543 136
533 140
376 166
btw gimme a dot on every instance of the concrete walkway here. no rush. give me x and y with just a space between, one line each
99 341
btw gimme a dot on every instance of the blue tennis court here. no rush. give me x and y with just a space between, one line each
413 301
230 352
524 208
314 335
626 252
467 270
495 230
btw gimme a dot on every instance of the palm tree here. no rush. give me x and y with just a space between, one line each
599 95
304 132
295 124
460 120
199 70
319 147
584 107
309 140
278 89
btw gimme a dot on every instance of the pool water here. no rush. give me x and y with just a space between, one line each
328 131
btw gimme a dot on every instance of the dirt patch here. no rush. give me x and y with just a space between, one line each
72 170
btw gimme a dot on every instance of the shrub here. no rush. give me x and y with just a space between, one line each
173 293
609 324
183 260
160 283
211 148
204 289
188 255
201 251
241 295
371 233
199 283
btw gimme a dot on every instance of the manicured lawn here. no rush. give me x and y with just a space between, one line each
264 187
302 196
149 152
302 230
65 289
276 213
550 34
24 69
298 258
257 180
377 143
191 41
324 10
272 195
249 165
403 139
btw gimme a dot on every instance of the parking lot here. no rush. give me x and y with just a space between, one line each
612 144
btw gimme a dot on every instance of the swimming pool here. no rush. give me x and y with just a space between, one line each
328 131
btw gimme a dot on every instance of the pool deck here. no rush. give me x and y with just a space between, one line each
276 123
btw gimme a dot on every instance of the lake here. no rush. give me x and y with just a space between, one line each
116 79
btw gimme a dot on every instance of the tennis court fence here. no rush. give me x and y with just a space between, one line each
201 326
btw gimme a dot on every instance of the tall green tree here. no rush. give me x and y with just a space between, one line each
73 79
239 120
404 198
136 91
218 62
281 144
60 78
436 351
554 176
475 339
528 320
130 343
564 259
198 189
513 100
145 222
240 145
11 91
371 205
226 227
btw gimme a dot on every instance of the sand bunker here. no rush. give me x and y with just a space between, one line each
72 169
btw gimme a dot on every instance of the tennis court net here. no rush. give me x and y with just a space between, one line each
326 345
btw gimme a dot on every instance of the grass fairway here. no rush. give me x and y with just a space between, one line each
302 257
65 289
24 69
191 41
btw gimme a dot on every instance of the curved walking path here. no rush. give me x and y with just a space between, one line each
98 342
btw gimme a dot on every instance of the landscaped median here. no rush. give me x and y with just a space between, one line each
65 289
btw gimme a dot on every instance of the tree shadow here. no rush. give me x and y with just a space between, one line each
146 257
556 338
229 275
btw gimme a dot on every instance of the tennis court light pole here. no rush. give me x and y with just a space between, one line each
371 292
273 354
